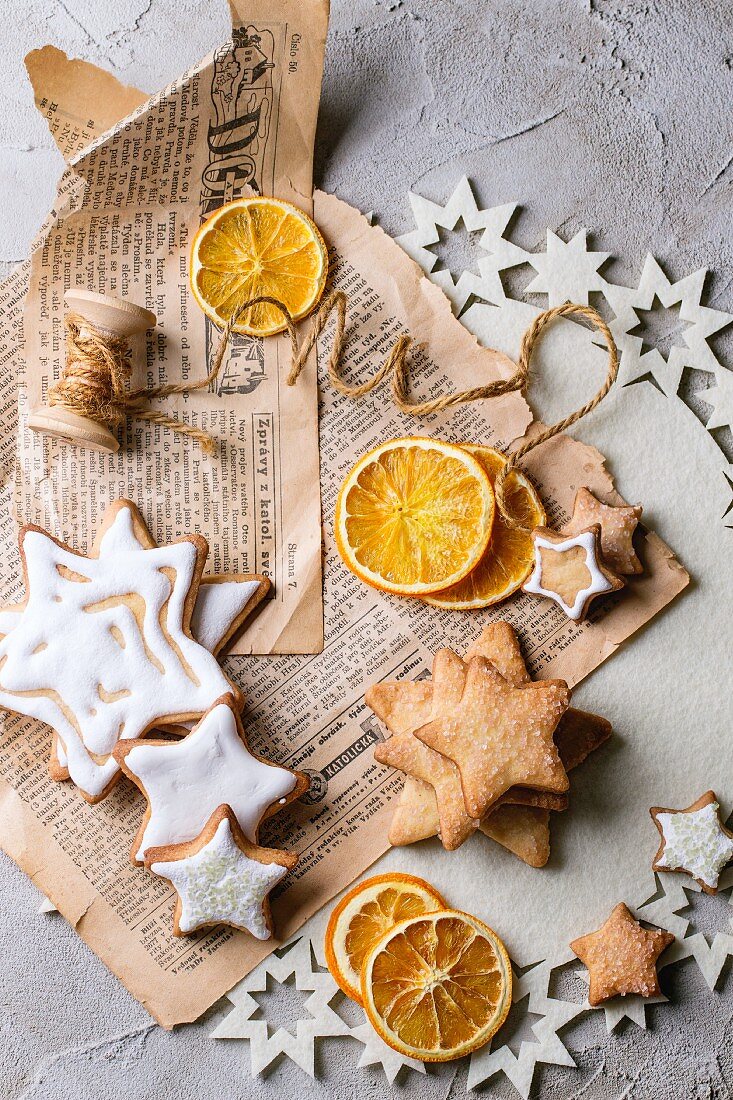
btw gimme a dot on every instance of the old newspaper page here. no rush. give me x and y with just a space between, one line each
308 711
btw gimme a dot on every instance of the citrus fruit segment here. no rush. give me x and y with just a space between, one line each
508 559
438 986
414 516
363 916
258 247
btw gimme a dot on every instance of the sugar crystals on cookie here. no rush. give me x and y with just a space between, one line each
621 957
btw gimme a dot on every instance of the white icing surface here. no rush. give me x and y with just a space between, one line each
220 884
598 584
217 606
696 843
99 690
185 782
9 619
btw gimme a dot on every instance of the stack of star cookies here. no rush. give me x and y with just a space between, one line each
483 747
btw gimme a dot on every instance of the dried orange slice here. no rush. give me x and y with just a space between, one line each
258 247
414 516
508 559
363 916
438 986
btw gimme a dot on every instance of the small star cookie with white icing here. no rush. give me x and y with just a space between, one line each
694 841
185 781
221 878
617 524
569 570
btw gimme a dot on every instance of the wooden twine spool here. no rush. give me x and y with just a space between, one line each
104 325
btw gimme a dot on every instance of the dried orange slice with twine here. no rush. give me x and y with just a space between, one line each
257 247
414 516
437 986
508 559
363 916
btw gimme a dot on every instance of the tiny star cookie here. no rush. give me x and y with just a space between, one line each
694 841
621 957
569 570
617 529
221 878
185 781
125 616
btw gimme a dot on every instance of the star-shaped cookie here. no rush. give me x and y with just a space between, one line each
569 570
499 735
617 524
221 878
185 781
621 957
694 841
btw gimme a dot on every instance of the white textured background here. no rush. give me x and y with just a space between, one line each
610 115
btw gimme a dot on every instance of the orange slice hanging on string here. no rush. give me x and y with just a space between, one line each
437 986
414 516
509 557
257 247
363 916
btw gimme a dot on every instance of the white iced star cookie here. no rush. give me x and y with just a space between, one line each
694 841
185 781
568 569
221 878
102 648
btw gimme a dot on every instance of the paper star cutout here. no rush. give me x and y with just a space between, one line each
548 1049
566 272
125 615
221 878
568 570
322 1021
637 365
694 841
185 781
720 396
430 218
377 1053
631 1007
617 524
621 957
500 735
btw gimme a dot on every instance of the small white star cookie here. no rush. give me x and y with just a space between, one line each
617 529
185 781
694 841
569 570
221 878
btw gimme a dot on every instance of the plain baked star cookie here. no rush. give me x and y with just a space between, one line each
103 648
617 524
185 781
221 878
621 957
694 841
569 570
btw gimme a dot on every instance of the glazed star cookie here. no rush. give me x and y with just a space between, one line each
694 841
569 570
185 781
617 526
621 957
500 735
125 615
221 878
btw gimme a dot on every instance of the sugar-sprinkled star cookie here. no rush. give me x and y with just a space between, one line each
221 878
499 735
185 781
569 570
694 841
617 529
621 957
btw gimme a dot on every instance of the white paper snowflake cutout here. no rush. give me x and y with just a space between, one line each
376 1052
631 1007
500 253
549 1048
566 271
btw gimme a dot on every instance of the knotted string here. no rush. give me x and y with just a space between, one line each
94 379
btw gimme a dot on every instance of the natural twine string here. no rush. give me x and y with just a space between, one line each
94 379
